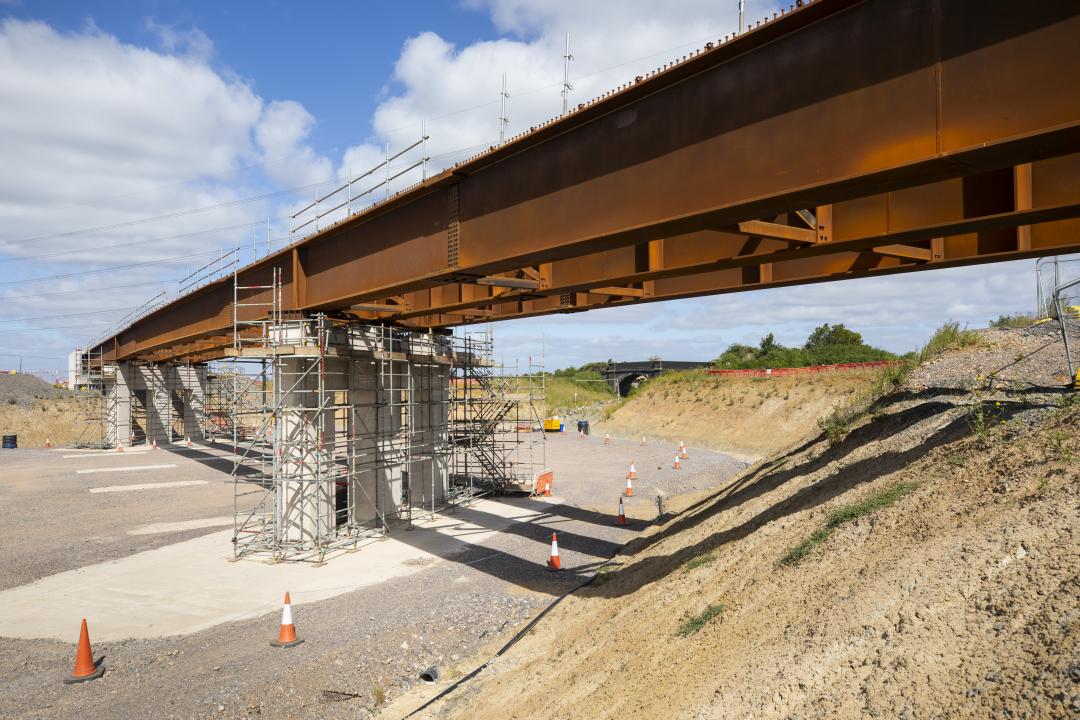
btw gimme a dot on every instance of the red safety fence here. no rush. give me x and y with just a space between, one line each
812 370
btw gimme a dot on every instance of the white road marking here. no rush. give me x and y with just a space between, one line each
167 527
148 486
96 455
123 469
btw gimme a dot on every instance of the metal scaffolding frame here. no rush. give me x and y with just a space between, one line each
344 430
97 409
496 429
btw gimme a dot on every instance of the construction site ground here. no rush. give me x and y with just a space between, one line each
185 633
919 562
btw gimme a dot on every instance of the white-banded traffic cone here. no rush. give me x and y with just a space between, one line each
287 633
682 450
621 520
629 487
633 471
187 441
48 442
119 448
678 464
153 445
607 439
643 443
553 561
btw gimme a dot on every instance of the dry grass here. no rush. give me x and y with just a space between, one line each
57 420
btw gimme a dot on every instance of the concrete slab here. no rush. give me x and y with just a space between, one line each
189 586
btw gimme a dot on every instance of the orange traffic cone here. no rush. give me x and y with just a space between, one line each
633 471
553 561
682 450
607 439
643 443
188 441
85 668
629 487
154 446
622 514
678 464
48 442
119 448
287 634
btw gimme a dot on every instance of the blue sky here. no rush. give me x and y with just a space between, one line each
142 138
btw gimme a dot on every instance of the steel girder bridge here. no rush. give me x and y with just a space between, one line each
841 139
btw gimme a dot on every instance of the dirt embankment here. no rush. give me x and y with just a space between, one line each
924 565
748 417
35 411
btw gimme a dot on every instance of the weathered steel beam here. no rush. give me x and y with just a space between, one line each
864 98
776 231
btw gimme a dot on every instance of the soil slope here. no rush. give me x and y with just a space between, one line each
958 599
749 417
35 411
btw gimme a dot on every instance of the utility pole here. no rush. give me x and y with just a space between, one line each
503 120
742 14
566 86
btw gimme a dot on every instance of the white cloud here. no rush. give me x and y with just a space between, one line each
96 133
282 133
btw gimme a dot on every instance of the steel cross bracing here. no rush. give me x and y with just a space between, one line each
843 139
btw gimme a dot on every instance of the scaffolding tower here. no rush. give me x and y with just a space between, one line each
96 407
343 430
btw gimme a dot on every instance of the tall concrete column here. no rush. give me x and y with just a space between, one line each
306 493
117 393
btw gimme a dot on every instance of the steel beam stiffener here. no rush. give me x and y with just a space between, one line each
843 139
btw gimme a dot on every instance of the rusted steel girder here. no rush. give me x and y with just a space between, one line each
835 104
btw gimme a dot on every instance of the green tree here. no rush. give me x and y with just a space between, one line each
830 335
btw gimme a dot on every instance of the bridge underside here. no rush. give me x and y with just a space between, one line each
844 139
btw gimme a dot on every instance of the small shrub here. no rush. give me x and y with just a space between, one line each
948 337
378 693
692 625
1013 321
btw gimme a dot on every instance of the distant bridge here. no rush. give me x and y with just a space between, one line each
624 375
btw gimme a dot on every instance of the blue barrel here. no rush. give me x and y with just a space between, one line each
11 442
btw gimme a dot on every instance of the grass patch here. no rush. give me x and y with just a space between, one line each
948 337
692 625
562 394
1014 321
846 514
700 560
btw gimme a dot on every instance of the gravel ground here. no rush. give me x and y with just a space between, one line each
361 648
606 467
52 523
1032 356
26 391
